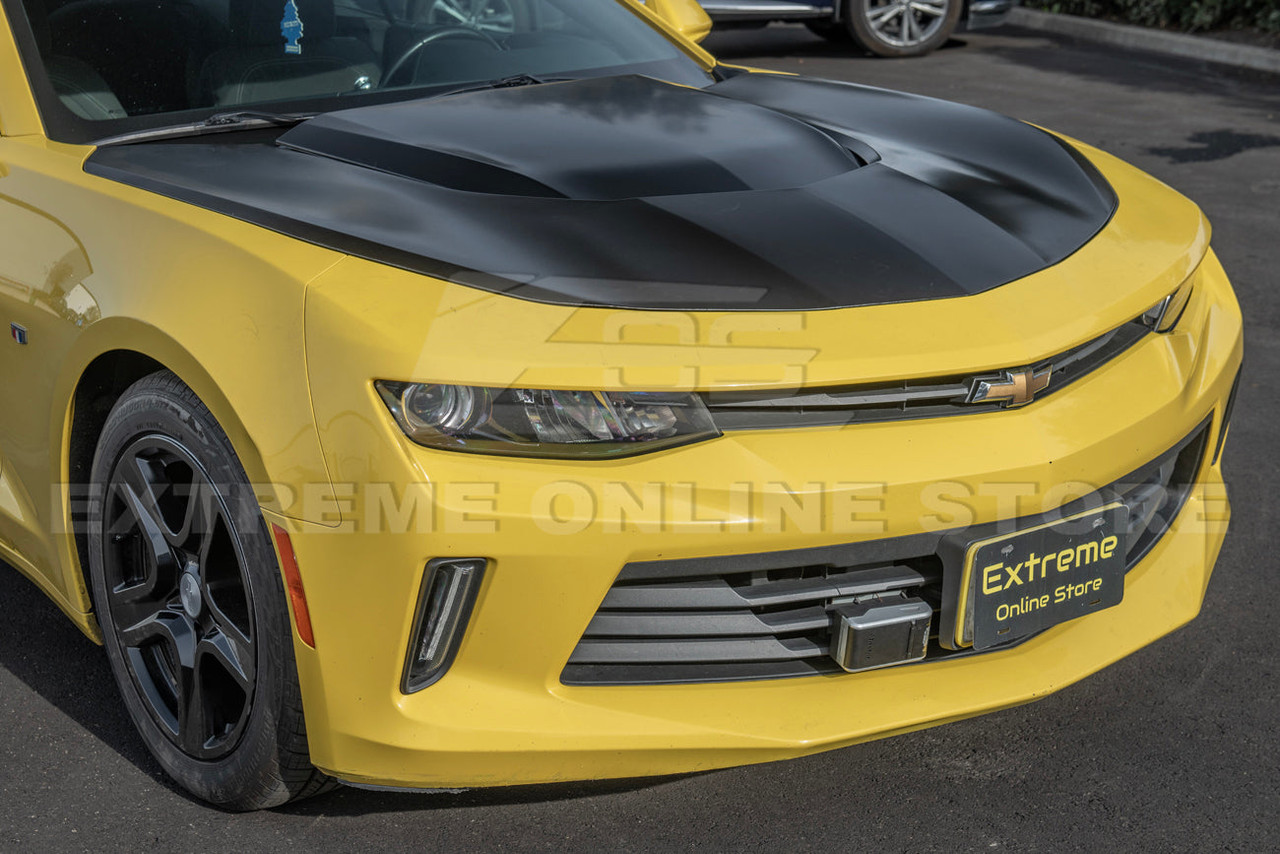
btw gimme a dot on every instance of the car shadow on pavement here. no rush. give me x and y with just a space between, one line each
355 802
1141 71
1206 146
40 647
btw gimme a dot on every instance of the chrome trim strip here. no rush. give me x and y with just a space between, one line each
910 399
727 9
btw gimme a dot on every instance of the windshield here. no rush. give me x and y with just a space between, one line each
112 66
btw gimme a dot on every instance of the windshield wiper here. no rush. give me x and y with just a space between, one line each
217 123
511 82
251 119
256 117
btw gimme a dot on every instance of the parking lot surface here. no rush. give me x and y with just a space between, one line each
1175 748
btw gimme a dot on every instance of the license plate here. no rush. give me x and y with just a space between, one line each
1019 584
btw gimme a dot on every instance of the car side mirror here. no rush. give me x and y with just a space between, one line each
687 17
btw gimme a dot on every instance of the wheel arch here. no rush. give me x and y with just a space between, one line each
104 365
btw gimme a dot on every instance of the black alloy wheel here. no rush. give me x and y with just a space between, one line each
178 595
188 592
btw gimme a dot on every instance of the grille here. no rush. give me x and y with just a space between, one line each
929 398
764 616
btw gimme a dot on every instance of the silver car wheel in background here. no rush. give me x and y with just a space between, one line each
905 23
896 28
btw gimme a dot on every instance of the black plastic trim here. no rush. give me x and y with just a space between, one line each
1226 417
872 552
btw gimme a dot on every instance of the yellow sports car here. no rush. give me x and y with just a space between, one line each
447 393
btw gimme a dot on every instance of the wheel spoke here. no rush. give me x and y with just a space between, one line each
931 8
139 540
193 725
134 605
231 620
451 10
137 596
146 485
148 525
204 521
498 24
234 656
197 510
909 32
882 15
168 627
222 581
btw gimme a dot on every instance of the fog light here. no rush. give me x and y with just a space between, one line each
448 594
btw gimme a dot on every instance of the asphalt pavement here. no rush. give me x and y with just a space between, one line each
1175 748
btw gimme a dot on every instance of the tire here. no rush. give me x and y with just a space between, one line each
878 25
188 592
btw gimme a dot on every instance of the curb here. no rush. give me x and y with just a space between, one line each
1142 38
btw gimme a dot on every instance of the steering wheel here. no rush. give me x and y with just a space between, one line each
442 33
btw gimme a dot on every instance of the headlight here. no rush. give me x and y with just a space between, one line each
1164 315
527 422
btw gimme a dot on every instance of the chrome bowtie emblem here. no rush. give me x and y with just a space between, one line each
1012 388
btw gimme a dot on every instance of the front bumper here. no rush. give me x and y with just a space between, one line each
486 725
557 533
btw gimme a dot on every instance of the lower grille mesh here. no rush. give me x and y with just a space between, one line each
758 619
764 616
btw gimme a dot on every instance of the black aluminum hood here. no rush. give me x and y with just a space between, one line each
760 192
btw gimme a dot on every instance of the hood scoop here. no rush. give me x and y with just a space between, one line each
600 139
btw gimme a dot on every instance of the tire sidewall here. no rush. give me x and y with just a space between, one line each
150 408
